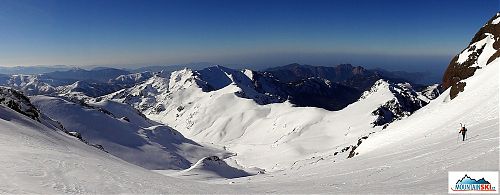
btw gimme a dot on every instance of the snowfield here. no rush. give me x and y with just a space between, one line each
270 137
37 159
409 156
212 131
412 155
123 132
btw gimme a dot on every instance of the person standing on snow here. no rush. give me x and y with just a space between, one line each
463 130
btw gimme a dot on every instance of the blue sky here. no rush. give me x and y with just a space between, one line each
386 33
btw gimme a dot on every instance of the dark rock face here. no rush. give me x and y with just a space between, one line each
304 92
404 103
321 93
431 92
18 102
341 73
330 88
459 70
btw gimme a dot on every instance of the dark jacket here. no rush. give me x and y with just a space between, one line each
463 130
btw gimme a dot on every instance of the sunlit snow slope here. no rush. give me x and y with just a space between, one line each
272 136
38 159
125 133
413 155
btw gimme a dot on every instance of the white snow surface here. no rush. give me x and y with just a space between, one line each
294 145
294 149
429 93
30 84
488 51
126 134
496 21
132 78
273 136
37 159
412 155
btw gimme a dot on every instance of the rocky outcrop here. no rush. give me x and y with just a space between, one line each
482 50
18 102
405 102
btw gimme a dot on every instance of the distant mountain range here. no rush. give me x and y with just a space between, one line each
331 88
95 75
80 131
74 71
38 69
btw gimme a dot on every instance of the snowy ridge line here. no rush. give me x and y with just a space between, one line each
37 159
193 110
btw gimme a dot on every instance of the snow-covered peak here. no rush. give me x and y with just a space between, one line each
80 84
181 79
131 79
84 89
496 20
212 167
430 92
145 95
397 101
381 86
31 84
249 73
478 52
218 77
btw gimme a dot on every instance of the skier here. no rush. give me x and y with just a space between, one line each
463 130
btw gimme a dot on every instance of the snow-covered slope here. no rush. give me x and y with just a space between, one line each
261 87
272 136
43 85
210 168
385 142
31 84
482 50
18 102
412 155
440 120
415 154
144 96
77 84
125 133
132 79
86 89
39 159
430 92
405 102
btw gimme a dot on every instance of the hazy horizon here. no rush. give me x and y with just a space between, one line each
395 35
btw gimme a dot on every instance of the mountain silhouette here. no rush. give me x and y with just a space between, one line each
468 180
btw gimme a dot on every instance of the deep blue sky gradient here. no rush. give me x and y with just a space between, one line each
397 34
